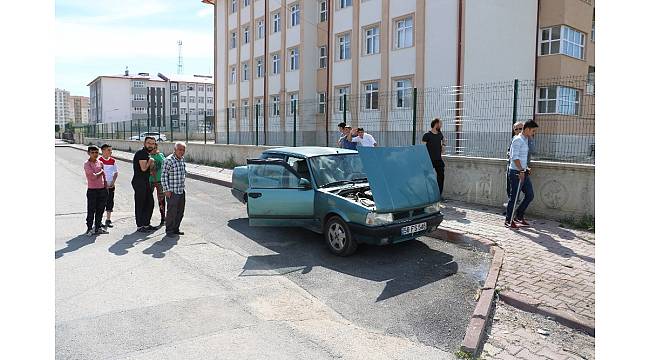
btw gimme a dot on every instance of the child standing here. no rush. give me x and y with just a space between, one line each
154 178
96 193
110 170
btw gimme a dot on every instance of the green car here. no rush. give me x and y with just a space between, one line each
376 195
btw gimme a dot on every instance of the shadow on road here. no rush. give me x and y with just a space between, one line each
128 241
75 244
405 266
157 250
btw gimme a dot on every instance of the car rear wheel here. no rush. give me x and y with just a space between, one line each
338 237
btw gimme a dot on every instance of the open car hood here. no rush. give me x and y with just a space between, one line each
401 178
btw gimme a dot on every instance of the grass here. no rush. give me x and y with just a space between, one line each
463 355
585 222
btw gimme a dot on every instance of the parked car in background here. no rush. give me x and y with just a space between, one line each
156 135
376 195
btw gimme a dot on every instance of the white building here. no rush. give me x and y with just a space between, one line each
62 113
277 52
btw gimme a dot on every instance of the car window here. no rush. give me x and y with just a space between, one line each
272 156
332 168
271 176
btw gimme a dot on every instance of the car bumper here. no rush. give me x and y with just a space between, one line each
392 233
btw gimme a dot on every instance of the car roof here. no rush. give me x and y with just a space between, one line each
310 151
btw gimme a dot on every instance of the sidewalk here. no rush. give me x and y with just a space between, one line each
545 267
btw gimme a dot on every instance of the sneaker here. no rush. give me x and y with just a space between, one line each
100 230
171 234
162 223
521 222
178 232
513 225
90 232
142 229
150 228
108 224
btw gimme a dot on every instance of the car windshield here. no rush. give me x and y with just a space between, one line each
332 170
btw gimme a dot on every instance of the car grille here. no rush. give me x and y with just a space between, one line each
401 215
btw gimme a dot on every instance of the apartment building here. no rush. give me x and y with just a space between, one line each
191 98
276 53
62 114
80 109
141 97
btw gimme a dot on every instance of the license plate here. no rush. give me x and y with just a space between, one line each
411 229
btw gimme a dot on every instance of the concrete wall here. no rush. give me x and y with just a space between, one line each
561 190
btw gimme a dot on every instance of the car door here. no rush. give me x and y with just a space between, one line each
276 195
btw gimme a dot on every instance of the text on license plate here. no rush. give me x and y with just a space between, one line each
414 228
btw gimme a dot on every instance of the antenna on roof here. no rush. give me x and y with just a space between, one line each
179 69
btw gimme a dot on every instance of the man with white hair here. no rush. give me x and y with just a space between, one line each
173 183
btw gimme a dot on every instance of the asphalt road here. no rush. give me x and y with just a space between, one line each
228 291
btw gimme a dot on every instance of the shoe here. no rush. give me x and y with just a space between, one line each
100 230
150 228
513 225
90 232
162 223
171 234
142 229
521 222
178 232
108 224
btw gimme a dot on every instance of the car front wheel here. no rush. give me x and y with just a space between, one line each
338 237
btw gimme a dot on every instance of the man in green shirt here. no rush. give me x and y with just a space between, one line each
154 178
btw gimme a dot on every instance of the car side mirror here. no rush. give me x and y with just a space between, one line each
304 183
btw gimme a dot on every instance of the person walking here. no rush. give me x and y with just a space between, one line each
360 137
154 178
435 142
173 183
518 174
143 194
110 170
516 130
96 193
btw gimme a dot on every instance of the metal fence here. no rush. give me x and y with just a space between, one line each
476 119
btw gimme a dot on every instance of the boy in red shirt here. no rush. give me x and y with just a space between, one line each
110 173
96 193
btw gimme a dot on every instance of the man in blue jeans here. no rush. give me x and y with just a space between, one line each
518 172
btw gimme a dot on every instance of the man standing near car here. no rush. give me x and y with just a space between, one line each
173 183
143 196
518 173
435 142
344 143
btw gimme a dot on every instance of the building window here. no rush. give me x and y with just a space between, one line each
139 97
343 96
403 90
322 59
192 99
233 40
233 6
247 2
322 97
404 33
174 98
276 22
192 110
183 111
293 103
372 40
191 87
233 111
244 105
371 96
209 88
260 67
344 46
245 34
183 87
344 3
138 84
260 29
174 111
294 10
562 40
275 105
208 112
201 99
200 111
558 100
323 11
591 81
294 59
209 100
593 26
174 86
200 87
244 71
276 64
183 98
233 74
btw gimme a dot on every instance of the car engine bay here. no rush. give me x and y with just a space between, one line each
362 195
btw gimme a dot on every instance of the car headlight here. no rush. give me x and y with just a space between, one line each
432 209
378 219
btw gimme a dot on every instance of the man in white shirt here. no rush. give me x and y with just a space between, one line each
361 138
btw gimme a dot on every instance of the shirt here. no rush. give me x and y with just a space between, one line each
140 176
94 181
519 151
156 170
173 174
110 168
434 145
367 140
345 144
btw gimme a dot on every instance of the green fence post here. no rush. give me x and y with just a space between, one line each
514 105
327 115
139 130
293 106
227 126
187 126
257 124
345 108
171 128
205 130
415 113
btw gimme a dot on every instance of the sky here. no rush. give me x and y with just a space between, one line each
103 37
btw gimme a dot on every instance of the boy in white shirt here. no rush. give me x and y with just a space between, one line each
361 138
110 169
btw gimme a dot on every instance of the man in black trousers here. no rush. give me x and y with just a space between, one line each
141 186
435 142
